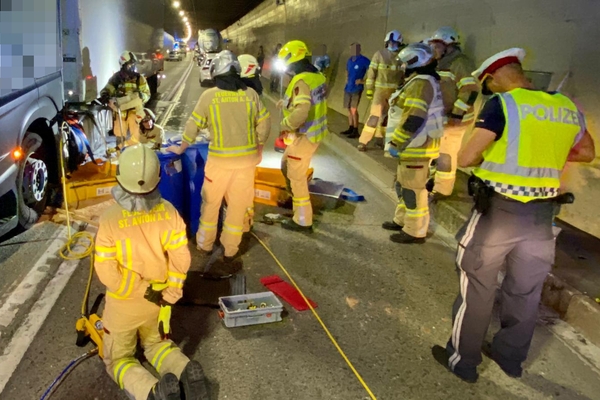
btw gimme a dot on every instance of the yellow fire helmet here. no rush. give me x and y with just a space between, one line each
292 52
139 169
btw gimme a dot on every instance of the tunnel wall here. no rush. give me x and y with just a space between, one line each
108 28
560 36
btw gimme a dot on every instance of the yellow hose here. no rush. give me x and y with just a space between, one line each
329 335
67 251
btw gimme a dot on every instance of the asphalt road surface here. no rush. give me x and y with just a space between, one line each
386 304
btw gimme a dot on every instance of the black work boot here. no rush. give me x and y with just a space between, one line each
391 226
291 225
347 131
193 382
355 134
510 368
166 389
440 355
361 147
403 237
379 143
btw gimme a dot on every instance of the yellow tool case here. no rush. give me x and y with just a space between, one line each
269 185
90 182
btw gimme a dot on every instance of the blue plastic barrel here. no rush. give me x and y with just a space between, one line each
194 160
172 180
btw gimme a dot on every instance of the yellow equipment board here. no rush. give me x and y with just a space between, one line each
269 185
90 181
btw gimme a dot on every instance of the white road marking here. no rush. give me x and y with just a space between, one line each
28 287
24 336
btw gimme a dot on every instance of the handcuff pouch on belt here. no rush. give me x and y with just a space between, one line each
482 194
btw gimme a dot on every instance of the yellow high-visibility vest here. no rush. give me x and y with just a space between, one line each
315 127
526 162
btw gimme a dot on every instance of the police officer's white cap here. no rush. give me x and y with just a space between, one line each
497 61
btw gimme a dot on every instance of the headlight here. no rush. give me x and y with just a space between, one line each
164 76
280 65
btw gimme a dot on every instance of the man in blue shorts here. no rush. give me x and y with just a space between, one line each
356 68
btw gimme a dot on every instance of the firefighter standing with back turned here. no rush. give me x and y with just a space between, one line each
460 91
384 76
141 256
521 142
303 128
416 141
132 92
239 125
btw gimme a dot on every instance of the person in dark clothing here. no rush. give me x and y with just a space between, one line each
260 57
275 74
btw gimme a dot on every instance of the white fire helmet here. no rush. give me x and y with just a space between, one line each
138 171
223 62
394 36
248 64
416 55
445 35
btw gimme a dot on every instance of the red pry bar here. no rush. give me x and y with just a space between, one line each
287 292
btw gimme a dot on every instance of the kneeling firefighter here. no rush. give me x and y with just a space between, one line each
416 141
304 126
239 125
151 134
132 92
142 258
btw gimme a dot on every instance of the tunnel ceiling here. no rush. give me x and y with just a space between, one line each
218 14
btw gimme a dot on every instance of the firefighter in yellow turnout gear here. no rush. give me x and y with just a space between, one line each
141 256
303 128
239 125
416 141
384 76
460 91
132 92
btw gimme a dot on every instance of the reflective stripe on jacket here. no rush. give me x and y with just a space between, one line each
136 249
420 97
526 162
315 124
385 71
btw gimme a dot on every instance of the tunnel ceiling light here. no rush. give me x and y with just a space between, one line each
176 4
181 13
185 19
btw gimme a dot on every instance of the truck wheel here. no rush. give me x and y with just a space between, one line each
32 181
153 84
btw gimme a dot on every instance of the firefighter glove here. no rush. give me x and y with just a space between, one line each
164 322
153 296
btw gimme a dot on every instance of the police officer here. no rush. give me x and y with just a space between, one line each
384 76
142 258
460 91
239 124
521 142
416 140
303 128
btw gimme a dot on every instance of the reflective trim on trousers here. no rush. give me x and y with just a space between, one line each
121 368
417 212
233 229
161 354
464 284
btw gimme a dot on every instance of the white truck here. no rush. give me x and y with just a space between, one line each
59 51
209 44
